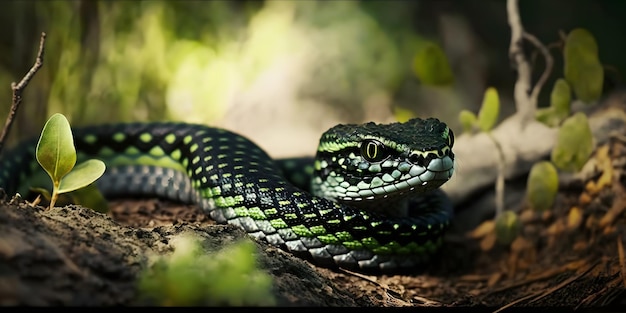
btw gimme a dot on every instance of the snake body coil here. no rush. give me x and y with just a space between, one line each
373 203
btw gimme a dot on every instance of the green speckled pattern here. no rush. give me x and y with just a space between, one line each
236 182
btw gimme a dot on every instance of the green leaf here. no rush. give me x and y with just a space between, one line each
581 40
89 197
507 227
431 66
55 149
542 186
82 175
467 120
560 102
547 116
489 111
41 191
583 70
589 82
574 143
561 98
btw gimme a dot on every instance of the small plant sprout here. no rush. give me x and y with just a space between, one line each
574 144
542 186
560 102
57 155
487 115
485 121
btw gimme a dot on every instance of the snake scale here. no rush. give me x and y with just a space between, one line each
373 202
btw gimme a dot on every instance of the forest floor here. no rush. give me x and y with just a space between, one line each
570 257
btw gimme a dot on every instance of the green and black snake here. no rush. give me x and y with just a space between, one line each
373 203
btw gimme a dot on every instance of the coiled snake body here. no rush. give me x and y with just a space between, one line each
373 202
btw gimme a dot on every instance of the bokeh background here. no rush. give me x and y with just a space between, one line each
279 72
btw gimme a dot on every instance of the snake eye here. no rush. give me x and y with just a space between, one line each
373 150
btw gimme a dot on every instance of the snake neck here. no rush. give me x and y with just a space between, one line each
392 206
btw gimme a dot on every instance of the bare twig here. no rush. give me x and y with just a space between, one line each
549 63
523 102
389 293
19 88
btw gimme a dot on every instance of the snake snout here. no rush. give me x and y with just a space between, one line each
424 159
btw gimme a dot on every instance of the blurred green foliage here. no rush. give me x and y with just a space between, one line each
583 70
489 110
507 227
560 103
402 115
467 120
541 186
487 114
431 66
192 60
191 277
574 143
198 61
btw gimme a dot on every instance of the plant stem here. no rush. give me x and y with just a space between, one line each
55 194
499 201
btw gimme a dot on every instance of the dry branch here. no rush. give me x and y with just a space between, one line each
19 88
549 64
524 104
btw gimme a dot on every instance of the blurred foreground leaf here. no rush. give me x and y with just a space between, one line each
542 186
489 111
574 143
507 227
190 276
468 120
583 70
560 102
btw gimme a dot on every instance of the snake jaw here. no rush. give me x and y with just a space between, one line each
389 182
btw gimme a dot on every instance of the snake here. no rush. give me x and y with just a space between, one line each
372 203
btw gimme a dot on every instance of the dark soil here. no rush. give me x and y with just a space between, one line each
571 257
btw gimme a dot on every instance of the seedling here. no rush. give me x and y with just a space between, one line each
506 222
57 155
574 144
542 186
560 103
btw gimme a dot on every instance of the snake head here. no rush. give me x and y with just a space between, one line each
369 162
